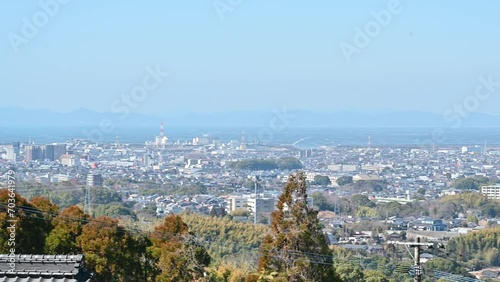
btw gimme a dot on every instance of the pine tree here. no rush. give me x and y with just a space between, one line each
296 243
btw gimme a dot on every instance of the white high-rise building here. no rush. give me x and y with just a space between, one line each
235 202
8 152
261 206
69 160
491 191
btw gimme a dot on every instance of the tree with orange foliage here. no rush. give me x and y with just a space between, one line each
112 251
30 225
68 225
178 256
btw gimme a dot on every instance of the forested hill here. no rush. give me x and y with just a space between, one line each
478 249
225 237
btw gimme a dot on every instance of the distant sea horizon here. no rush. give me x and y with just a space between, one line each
308 137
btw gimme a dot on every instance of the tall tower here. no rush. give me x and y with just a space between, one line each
369 141
158 138
117 140
33 153
243 145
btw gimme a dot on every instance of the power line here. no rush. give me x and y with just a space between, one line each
87 208
418 271
84 221
38 189
453 277
314 258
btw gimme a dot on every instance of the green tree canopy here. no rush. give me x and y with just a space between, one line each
31 224
471 183
114 210
349 272
285 163
321 202
344 180
289 163
362 201
322 180
67 227
295 233
101 195
375 276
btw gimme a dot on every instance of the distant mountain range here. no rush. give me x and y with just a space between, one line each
84 117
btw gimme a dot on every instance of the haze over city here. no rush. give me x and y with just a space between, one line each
250 141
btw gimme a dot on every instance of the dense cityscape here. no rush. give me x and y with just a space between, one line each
249 141
368 197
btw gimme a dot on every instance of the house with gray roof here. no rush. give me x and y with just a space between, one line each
46 268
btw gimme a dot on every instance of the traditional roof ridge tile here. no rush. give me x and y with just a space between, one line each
46 268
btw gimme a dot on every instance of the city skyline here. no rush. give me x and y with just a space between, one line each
233 140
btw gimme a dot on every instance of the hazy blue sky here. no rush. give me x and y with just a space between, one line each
262 55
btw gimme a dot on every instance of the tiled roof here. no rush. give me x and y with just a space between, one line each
44 268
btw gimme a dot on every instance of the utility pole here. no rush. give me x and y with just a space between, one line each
417 246
87 203
418 269
255 208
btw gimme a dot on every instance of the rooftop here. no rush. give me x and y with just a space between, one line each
46 268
